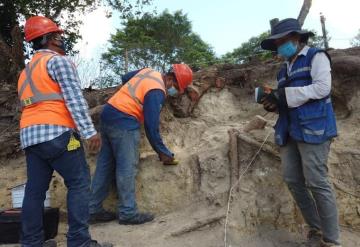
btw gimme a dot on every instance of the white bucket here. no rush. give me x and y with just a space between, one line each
17 196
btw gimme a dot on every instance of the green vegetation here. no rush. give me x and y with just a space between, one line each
356 40
157 41
66 12
247 50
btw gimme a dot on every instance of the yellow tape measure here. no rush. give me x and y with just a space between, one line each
73 143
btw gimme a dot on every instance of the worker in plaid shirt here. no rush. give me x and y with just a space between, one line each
54 116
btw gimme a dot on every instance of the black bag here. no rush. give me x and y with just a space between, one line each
10 225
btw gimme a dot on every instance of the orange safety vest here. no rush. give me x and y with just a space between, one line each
40 96
130 98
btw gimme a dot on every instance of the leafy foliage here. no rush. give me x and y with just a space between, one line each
157 41
128 8
356 40
64 12
252 49
247 51
317 40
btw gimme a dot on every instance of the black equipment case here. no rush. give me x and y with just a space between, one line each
10 224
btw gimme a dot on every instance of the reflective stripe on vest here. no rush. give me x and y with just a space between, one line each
132 88
313 122
293 73
40 95
37 95
130 98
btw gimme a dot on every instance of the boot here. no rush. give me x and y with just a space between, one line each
50 243
327 244
94 243
137 219
100 217
313 238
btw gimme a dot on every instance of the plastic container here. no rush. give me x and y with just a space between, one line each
17 196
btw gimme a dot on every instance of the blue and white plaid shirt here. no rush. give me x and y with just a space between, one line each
62 70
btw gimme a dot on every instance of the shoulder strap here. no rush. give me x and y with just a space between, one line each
313 51
37 95
142 76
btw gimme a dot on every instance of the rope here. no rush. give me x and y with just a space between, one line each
236 184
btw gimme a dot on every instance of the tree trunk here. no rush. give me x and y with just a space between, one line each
304 11
11 57
126 60
324 33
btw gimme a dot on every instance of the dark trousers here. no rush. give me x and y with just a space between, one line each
42 159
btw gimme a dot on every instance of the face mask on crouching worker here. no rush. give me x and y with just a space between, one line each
172 91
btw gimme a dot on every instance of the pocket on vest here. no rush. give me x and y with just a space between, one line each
312 119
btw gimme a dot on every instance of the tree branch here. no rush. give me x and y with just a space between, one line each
304 11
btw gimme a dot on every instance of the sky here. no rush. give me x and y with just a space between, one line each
225 24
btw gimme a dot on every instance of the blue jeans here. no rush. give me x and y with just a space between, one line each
306 174
42 159
118 159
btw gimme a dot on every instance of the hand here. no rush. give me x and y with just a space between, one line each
167 160
275 97
269 106
94 143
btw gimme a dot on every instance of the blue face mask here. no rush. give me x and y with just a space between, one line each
287 50
172 91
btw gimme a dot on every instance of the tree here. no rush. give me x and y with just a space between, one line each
247 50
157 41
318 40
67 13
356 40
304 11
93 74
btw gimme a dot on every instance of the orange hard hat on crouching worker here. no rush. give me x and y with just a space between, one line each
38 26
183 75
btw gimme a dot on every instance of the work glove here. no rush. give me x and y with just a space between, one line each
277 96
268 97
270 107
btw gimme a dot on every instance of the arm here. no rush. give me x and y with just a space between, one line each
153 102
320 87
62 71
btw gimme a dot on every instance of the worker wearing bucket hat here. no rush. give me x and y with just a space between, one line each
305 126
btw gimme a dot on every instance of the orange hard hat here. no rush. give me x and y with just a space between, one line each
183 75
38 26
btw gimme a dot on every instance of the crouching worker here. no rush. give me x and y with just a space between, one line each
305 127
138 101
54 113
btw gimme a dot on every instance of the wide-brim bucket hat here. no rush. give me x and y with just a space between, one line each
281 29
